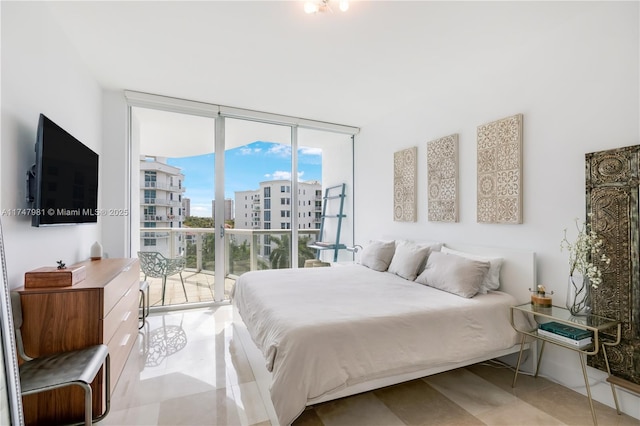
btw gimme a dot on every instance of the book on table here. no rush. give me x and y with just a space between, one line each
566 330
582 343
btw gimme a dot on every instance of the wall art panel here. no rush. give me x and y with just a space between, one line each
613 211
404 185
442 174
500 171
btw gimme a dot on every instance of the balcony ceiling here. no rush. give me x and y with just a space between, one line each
348 68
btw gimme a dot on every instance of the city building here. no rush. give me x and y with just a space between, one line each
228 209
160 204
269 207
186 206
248 209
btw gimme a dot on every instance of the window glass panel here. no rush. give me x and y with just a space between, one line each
174 179
333 153
253 170
258 165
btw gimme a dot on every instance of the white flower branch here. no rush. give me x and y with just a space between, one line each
586 247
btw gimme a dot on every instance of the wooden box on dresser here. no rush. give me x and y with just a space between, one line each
103 308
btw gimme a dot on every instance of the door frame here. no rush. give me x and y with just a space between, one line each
219 113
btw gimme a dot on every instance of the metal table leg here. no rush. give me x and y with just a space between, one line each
586 382
539 358
515 376
613 387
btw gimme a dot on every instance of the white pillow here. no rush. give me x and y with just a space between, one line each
433 246
377 255
454 274
408 259
492 279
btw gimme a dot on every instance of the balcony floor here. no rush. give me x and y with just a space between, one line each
199 287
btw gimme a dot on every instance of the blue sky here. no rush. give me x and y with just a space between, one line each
245 168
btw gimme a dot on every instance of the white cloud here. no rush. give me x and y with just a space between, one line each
310 151
280 150
244 150
282 175
279 175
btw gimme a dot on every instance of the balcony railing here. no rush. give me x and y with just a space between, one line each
161 202
160 218
246 250
197 243
154 234
163 186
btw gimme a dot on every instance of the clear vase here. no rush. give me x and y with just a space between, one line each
579 295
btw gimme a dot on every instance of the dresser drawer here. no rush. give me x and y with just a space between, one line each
119 285
123 338
121 312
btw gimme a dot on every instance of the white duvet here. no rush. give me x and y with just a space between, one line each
321 329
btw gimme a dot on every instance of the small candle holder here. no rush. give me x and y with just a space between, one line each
540 298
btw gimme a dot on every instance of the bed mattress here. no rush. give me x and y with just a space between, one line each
322 329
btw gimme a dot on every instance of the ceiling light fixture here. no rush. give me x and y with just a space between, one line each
324 6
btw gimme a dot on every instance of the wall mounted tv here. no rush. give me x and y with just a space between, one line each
63 183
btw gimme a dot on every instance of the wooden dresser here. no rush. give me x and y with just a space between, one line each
103 308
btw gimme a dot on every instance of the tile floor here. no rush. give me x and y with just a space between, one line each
187 369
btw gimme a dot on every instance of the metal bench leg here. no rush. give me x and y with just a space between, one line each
88 406
107 388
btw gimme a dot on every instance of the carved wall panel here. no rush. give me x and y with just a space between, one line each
612 189
500 171
442 173
404 185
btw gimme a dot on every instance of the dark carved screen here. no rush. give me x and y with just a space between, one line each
612 179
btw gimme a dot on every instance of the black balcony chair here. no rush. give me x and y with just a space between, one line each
79 367
155 265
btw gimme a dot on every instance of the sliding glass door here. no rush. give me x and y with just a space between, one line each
226 191
332 154
175 171
258 169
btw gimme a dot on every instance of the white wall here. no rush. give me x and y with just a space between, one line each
115 190
41 74
577 85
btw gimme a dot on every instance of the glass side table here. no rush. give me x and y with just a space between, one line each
594 323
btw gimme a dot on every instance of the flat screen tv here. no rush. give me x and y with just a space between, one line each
63 183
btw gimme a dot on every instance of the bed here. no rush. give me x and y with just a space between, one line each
317 334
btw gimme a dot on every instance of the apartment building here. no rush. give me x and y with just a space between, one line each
269 207
161 205
228 209
186 206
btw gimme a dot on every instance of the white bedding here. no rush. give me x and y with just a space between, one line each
321 329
